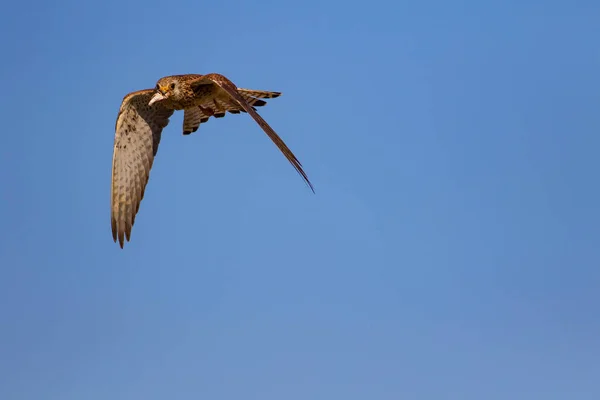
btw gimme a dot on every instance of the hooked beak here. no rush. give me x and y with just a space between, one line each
157 97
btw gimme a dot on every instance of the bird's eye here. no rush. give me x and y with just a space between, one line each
172 86
157 88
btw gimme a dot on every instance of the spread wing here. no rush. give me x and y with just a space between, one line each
193 117
137 136
235 95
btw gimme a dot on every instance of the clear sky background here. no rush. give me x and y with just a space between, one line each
451 250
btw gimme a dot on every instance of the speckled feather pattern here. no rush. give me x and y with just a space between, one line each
137 136
139 127
194 116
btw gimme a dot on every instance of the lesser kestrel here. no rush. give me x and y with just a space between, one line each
144 114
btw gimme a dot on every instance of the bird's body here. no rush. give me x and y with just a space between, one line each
145 113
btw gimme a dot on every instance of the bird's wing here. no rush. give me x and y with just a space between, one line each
137 136
193 117
233 92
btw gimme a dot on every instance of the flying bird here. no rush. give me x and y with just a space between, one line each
145 113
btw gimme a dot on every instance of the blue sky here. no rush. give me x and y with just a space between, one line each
450 251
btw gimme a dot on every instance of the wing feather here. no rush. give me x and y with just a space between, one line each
233 92
137 135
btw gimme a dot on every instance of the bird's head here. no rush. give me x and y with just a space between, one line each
166 88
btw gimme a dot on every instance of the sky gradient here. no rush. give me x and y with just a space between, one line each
450 251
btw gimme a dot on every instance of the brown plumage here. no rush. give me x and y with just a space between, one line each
145 113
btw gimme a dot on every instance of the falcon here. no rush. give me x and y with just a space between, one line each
145 113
